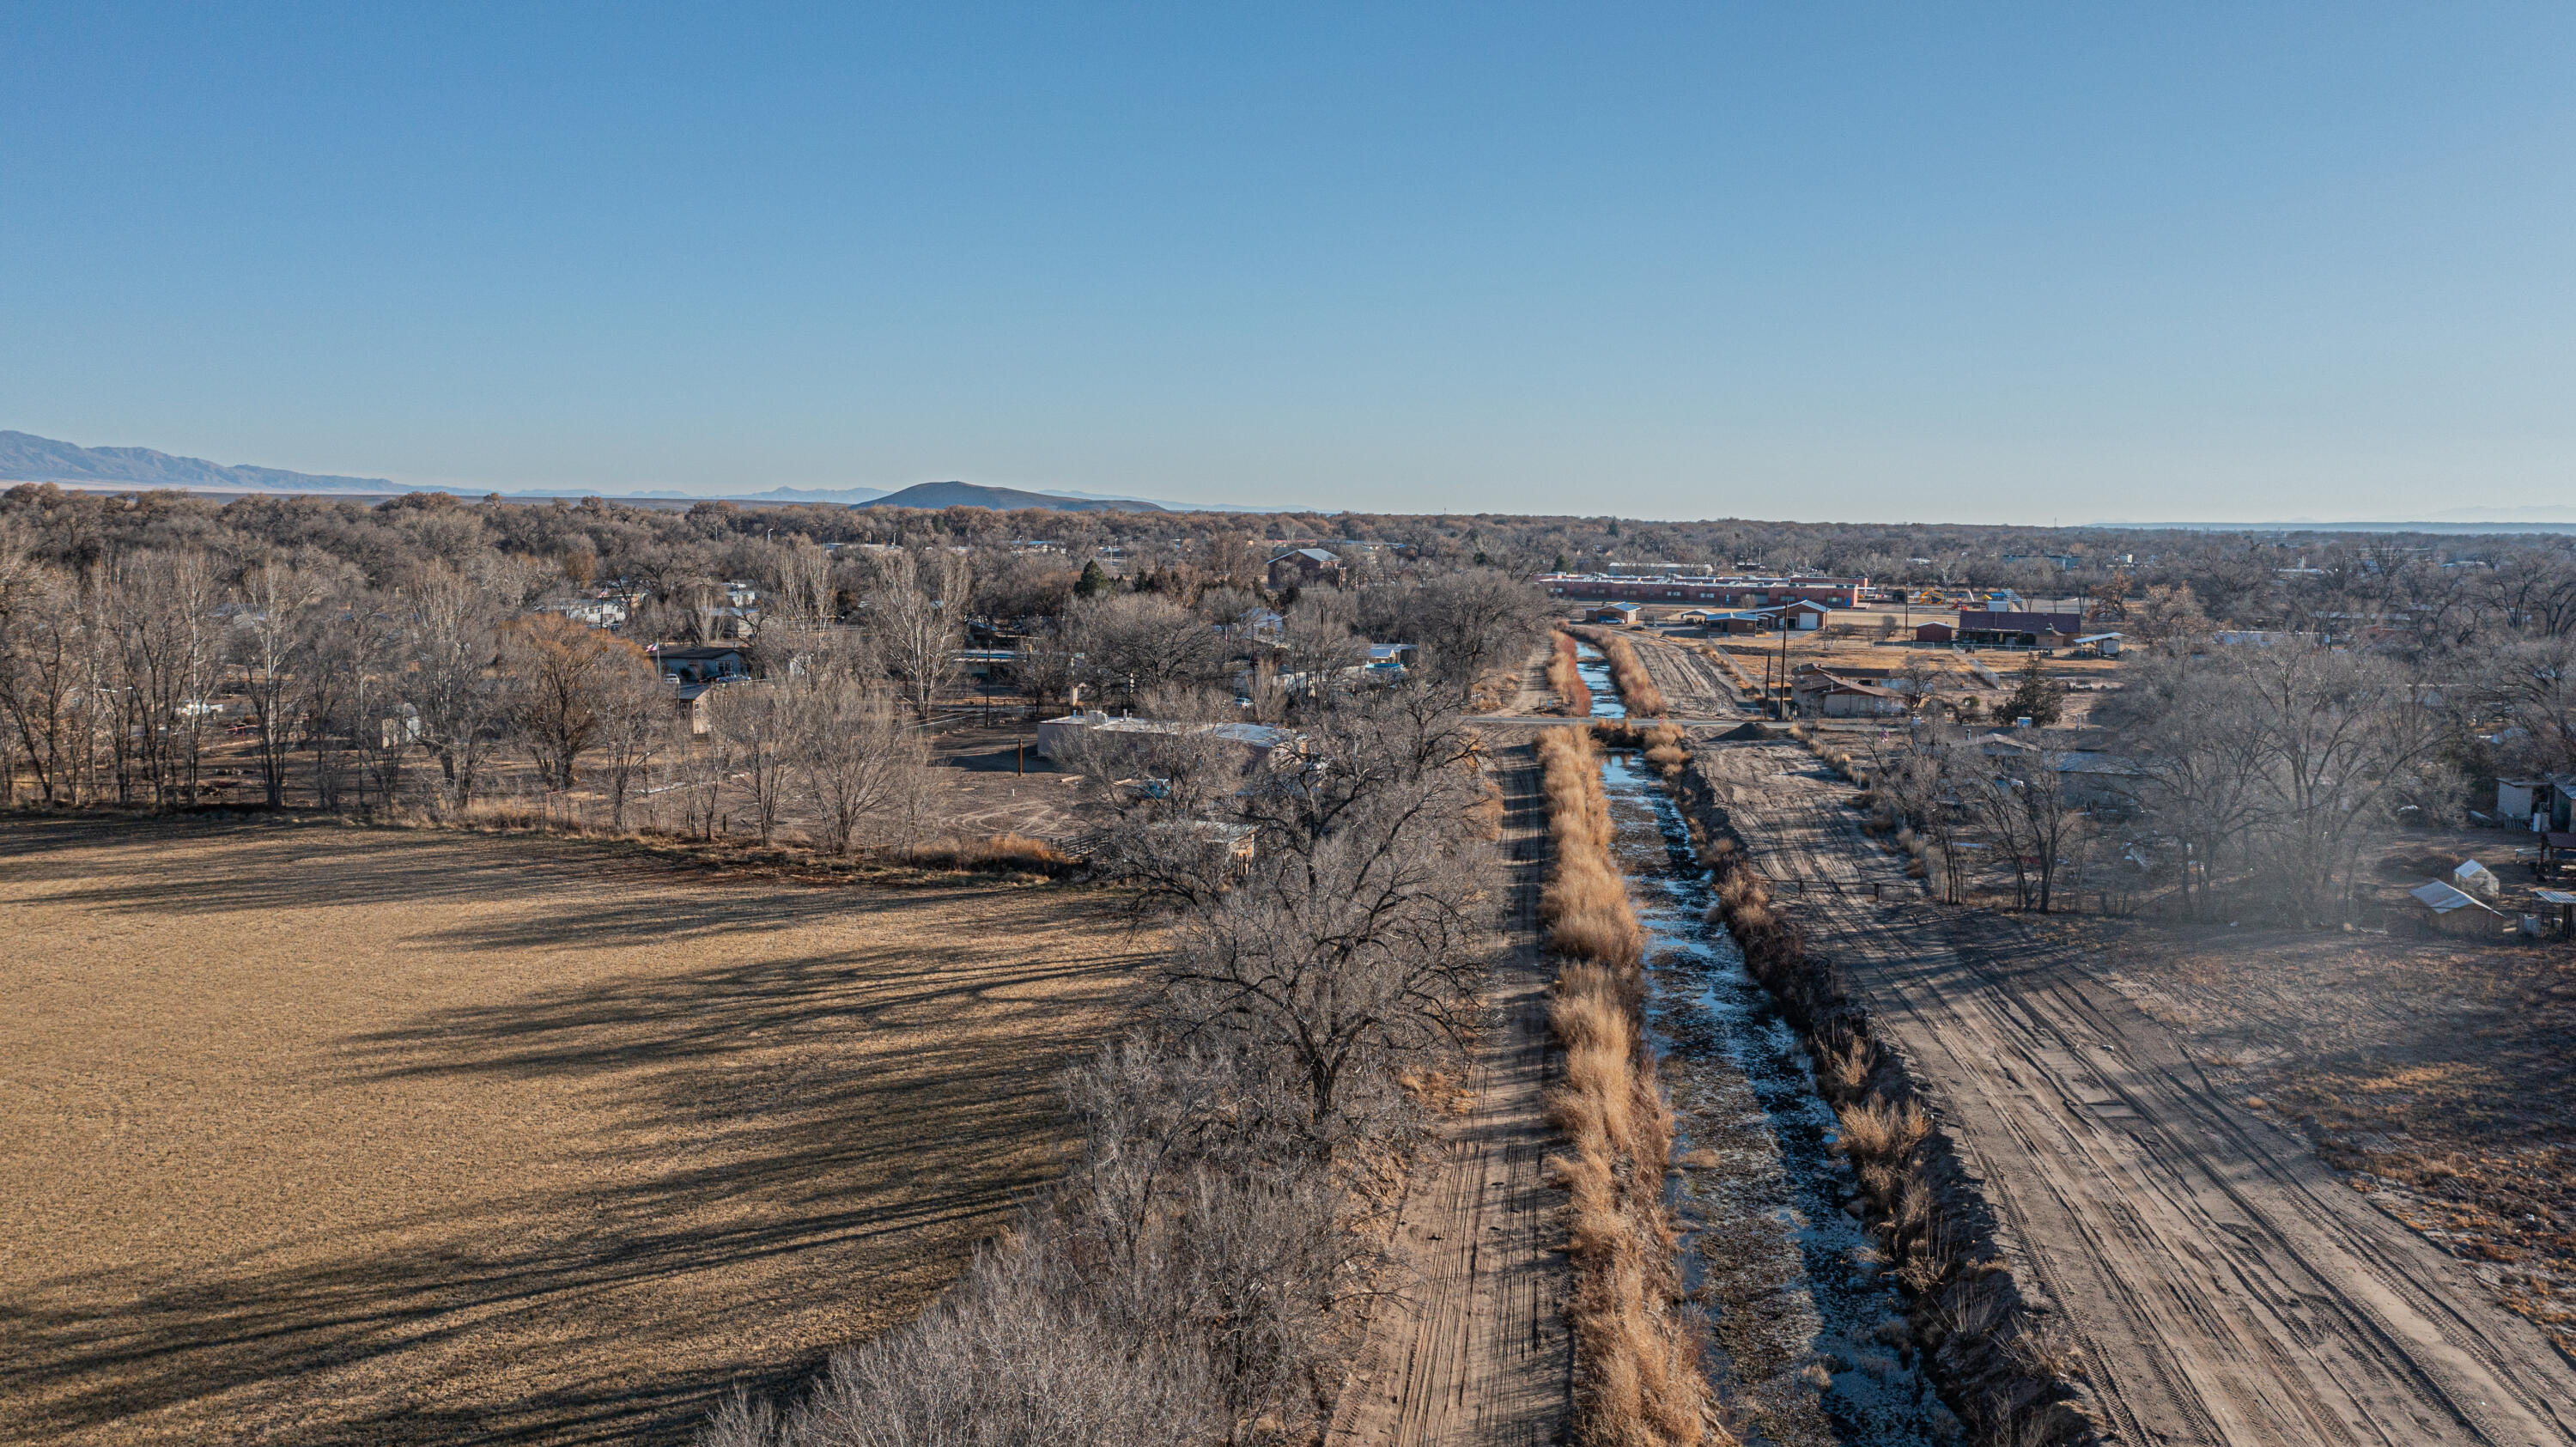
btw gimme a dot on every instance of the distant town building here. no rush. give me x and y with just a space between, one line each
1730 591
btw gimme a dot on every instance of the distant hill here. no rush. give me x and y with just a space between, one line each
25 457
968 494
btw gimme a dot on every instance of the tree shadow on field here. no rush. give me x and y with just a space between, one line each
797 1147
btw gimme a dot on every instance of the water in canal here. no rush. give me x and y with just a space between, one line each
1807 1343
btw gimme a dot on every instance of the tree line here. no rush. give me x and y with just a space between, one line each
1332 911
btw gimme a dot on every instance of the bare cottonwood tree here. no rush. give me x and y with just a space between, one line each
448 638
637 723
42 648
273 649
758 723
858 763
1135 644
567 679
172 647
916 619
1472 623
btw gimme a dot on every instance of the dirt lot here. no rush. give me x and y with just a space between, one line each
2224 1281
2434 1074
314 1134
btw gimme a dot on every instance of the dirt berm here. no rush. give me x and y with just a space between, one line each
2215 1282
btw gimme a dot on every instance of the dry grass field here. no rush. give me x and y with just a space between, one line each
315 1134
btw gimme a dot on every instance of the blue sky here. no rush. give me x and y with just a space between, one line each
1976 262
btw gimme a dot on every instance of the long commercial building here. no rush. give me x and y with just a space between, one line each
1731 592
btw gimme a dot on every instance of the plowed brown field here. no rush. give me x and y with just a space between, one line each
311 1134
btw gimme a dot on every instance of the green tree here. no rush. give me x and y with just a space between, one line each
2037 697
1093 582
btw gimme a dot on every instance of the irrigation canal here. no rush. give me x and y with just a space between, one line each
1807 1337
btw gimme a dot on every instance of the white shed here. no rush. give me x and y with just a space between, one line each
2476 879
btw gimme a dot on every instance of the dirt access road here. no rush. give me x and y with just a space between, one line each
2224 1285
313 1134
1472 1348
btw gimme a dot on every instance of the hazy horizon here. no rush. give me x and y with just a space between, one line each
2019 264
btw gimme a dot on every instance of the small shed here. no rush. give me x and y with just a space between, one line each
1622 613
2519 799
2476 879
1934 633
2099 645
2452 912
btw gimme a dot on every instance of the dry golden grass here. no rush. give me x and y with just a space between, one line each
1637 1356
328 1134
1573 695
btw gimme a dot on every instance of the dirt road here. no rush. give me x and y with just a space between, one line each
1692 684
2224 1286
1472 1348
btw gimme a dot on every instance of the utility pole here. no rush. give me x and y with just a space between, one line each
1784 661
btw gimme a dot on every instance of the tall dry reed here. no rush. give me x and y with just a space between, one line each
1573 695
1636 1354
1637 690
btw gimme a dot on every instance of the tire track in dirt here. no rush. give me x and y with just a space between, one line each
1693 684
1471 1346
2223 1284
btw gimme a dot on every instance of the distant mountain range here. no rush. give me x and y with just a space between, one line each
25 457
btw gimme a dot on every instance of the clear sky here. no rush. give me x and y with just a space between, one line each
2075 261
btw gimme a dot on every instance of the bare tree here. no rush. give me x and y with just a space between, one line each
448 637
1925 781
2020 799
345 702
703 767
2343 732
759 726
857 761
1134 644
172 647
274 650
565 675
42 647
2202 756
917 620
637 721
1472 623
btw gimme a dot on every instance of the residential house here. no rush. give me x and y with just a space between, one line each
1307 567
708 663
2019 630
1259 742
